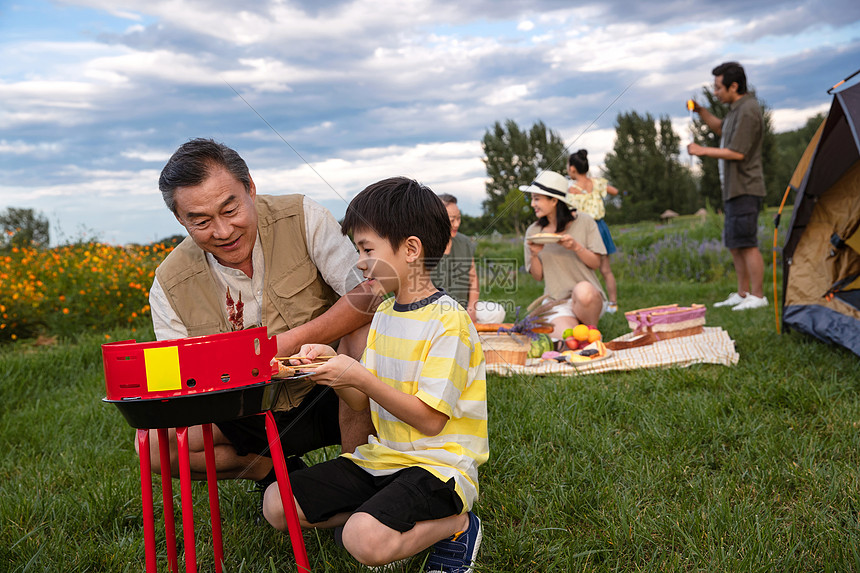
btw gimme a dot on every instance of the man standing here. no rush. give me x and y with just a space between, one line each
741 177
285 258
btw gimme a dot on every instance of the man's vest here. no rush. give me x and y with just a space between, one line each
294 292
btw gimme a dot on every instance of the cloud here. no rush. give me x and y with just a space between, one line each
22 148
366 90
789 119
147 155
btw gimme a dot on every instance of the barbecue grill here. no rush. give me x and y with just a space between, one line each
189 382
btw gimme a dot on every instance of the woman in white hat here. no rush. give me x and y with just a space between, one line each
563 248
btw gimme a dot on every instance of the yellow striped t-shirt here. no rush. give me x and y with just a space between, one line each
429 349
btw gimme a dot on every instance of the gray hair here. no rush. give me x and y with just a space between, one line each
193 163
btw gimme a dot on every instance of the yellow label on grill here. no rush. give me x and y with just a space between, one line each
162 369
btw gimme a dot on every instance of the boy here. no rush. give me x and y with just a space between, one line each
423 377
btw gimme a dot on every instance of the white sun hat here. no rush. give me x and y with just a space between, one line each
551 184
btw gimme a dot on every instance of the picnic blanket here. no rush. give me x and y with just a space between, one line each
712 346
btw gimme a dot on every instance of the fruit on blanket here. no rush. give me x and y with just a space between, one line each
571 342
580 332
594 335
543 343
568 332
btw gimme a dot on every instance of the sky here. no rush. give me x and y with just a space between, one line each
325 97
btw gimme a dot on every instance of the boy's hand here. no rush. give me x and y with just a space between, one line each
341 373
338 371
310 352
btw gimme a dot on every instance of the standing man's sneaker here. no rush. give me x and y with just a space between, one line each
612 307
733 300
751 301
457 553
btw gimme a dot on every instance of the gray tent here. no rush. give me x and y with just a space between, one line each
821 255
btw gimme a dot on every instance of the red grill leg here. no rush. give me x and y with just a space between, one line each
286 491
167 499
187 502
146 499
214 509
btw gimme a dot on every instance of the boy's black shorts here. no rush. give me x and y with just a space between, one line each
741 226
397 501
310 426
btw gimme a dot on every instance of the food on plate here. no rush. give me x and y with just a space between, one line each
589 351
285 371
541 238
550 355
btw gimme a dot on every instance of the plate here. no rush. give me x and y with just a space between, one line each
592 361
544 238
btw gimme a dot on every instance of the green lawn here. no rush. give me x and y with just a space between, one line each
709 468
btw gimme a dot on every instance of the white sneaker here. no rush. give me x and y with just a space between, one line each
751 301
733 300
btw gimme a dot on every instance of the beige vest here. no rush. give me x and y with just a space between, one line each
294 292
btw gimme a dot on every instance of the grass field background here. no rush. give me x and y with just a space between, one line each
708 468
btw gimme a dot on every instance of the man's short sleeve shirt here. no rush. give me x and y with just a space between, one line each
743 130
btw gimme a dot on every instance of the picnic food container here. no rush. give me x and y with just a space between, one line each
667 321
504 348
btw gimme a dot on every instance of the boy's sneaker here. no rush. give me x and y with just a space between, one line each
751 301
733 300
612 307
457 553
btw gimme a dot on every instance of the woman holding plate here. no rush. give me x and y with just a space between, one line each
563 248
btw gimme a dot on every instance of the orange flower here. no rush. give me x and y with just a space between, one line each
65 311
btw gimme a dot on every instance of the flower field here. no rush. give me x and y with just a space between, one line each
74 288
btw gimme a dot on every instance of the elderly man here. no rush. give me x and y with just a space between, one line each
295 273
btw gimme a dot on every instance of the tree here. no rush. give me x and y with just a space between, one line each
645 168
514 157
23 228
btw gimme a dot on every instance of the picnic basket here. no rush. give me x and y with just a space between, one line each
504 348
662 323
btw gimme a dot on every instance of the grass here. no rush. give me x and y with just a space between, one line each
707 468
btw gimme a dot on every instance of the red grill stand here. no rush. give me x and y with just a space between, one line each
196 381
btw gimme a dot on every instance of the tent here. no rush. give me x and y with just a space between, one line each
821 255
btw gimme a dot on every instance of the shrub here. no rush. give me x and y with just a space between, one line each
74 288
